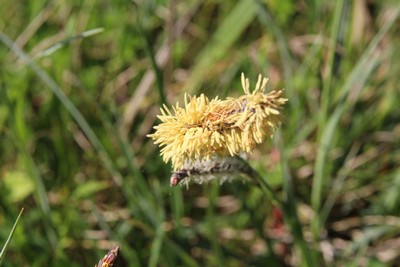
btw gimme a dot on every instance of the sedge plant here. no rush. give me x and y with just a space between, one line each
210 139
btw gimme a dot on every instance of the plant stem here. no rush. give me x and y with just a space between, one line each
289 214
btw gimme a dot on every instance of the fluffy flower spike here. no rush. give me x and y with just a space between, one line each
204 128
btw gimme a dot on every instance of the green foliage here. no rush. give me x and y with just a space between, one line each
78 100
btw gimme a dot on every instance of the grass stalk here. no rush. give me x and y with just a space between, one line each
212 225
159 235
321 177
10 235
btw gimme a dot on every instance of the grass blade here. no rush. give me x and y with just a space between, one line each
290 209
66 42
269 24
339 21
4 249
226 34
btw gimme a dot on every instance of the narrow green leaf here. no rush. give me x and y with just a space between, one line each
4 249
66 42
227 33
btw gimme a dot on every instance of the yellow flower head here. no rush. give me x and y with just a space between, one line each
205 128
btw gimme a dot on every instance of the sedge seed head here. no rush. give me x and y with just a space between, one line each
204 128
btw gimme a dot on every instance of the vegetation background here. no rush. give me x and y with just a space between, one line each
77 103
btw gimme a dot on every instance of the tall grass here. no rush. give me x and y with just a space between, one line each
76 104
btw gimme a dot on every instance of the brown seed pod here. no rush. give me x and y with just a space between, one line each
109 258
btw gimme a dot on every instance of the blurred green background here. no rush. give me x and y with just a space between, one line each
77 103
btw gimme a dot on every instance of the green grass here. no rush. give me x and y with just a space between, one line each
81 84
4 248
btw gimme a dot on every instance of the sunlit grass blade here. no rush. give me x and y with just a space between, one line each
10 235
66 42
